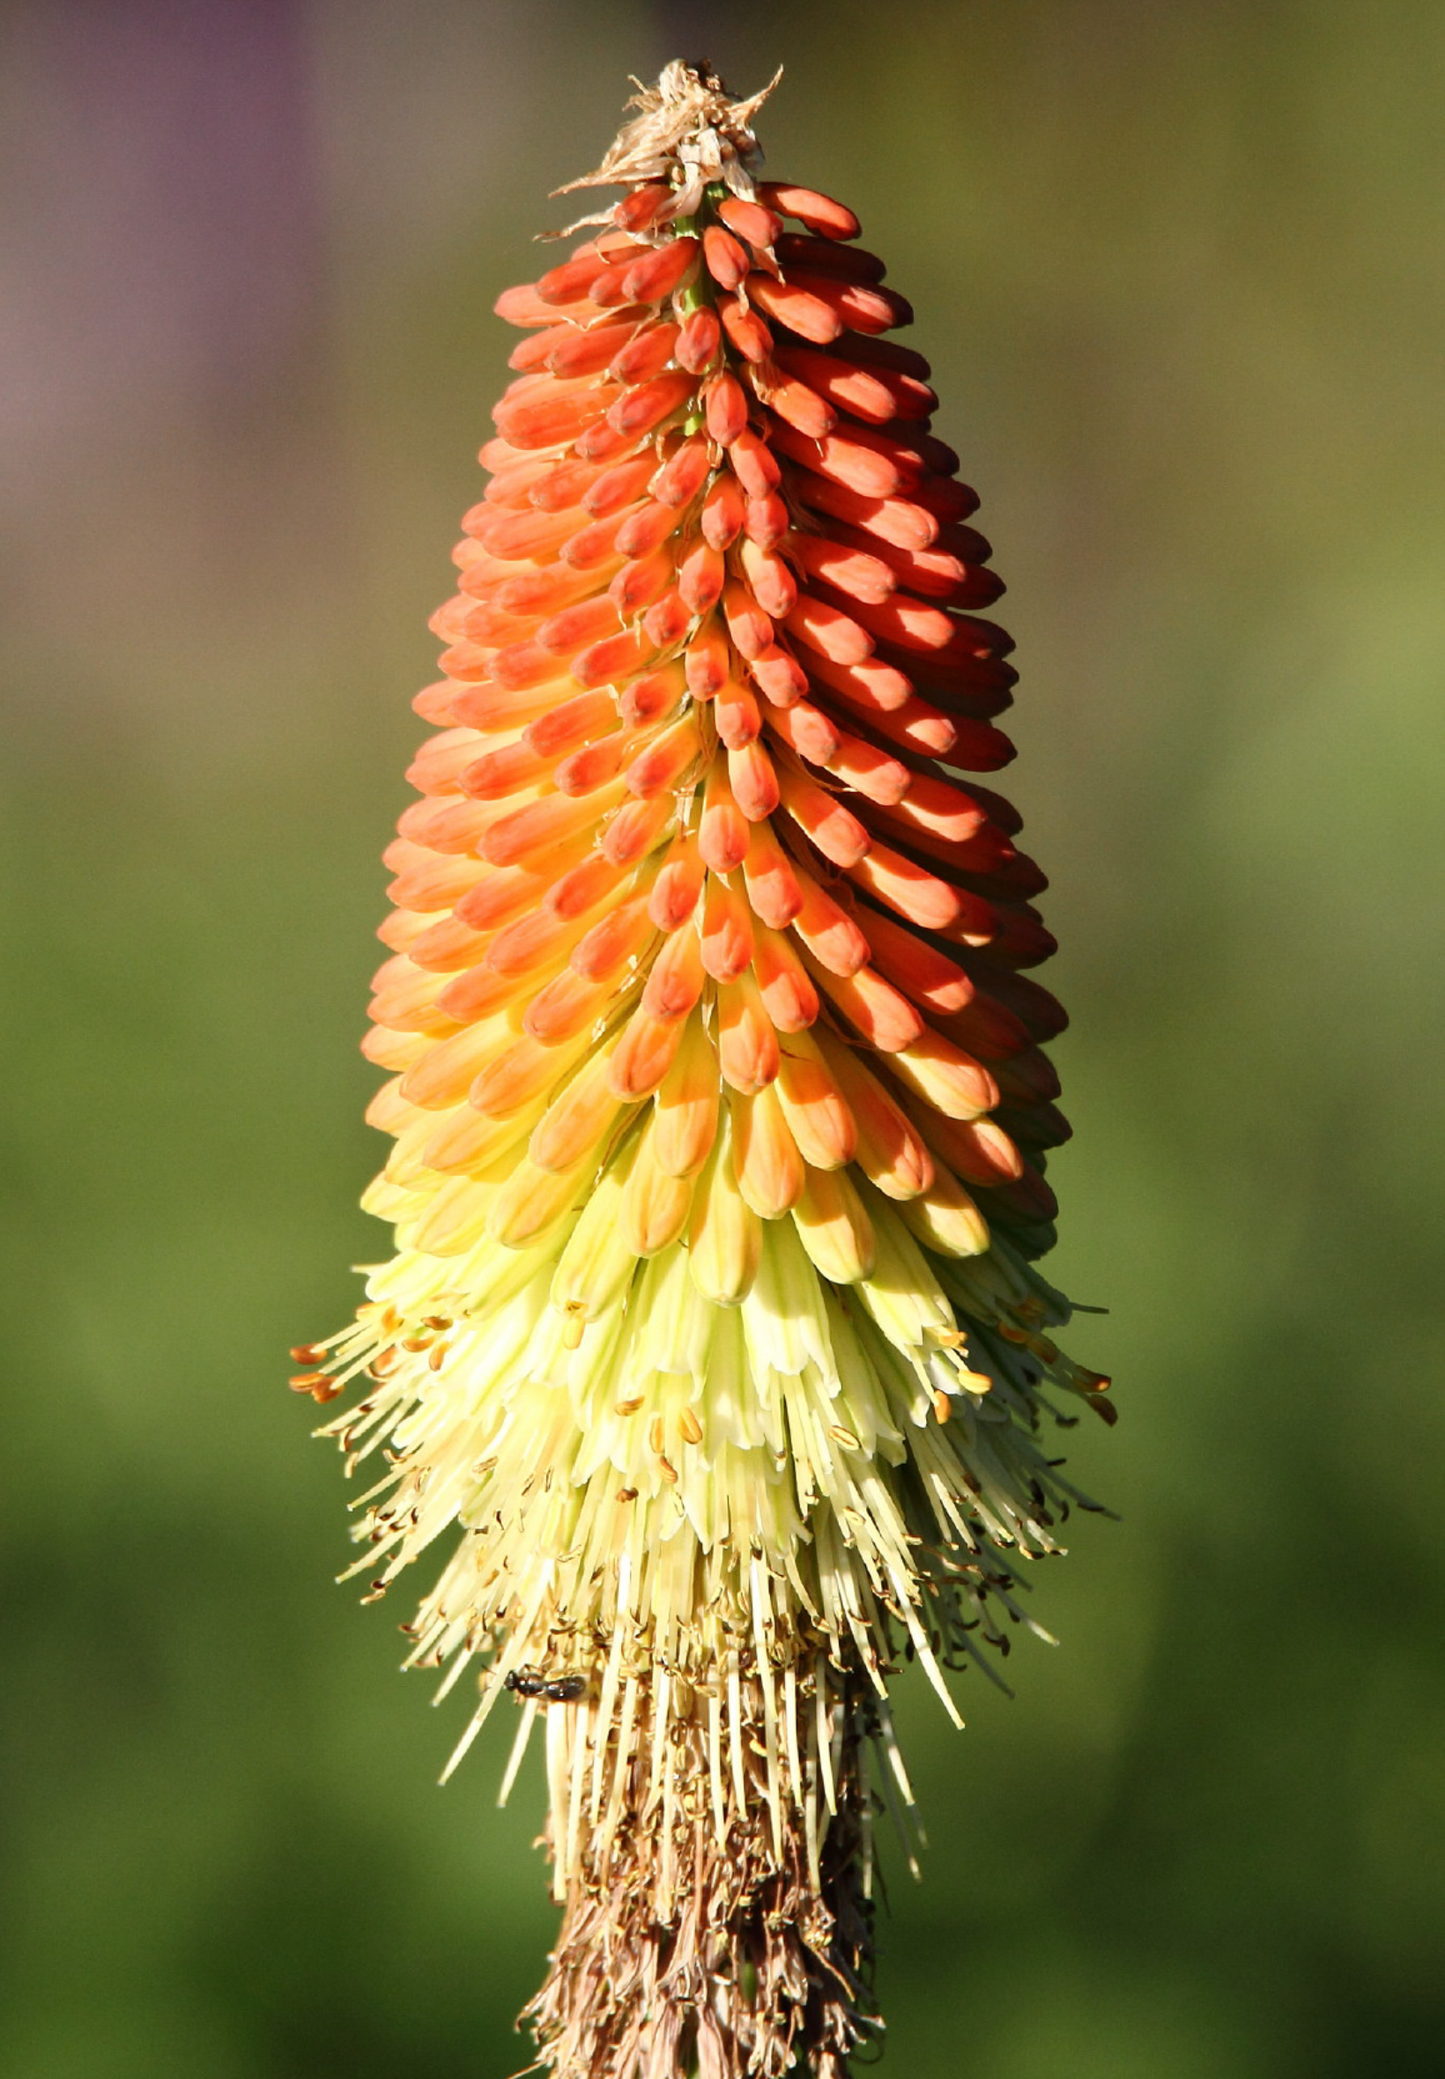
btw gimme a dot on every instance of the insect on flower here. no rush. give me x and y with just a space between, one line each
549 1689
714 1339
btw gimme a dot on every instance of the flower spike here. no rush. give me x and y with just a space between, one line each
713 1349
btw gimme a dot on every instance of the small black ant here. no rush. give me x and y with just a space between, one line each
548 1689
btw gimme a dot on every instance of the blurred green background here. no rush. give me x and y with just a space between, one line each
1179 269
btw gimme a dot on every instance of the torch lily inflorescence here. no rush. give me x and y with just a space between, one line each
719 1108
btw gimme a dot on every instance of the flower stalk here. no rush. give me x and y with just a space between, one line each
714 1339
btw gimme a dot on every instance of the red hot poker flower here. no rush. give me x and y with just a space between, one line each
720 1106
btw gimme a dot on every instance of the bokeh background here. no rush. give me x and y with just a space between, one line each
1179 269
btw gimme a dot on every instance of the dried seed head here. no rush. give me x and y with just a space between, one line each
695 1939
688 131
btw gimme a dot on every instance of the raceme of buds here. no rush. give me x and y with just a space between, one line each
713 1340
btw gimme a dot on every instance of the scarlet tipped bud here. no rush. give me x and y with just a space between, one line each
529 833
779 676
885 1018
828 630
723 828
503 895
639 409
619 937
921 971
759 226
636 828
638 584
570 724
678 885
747 1042
569 353
701 578
513 1078
577 626
819 213
906 522
707 663
558 415
667 758
567 1005
522 946
573 278
616 486
828 932
753 779
679 480
835 830
722 512
924 898
766 521
788 992
645 528
808 731
698 341
749 627
727 408
771 582
726 260
888 1150
772 886
736 716
588 770
644 1054
980 1150
654 696
864 461
512 536
799 407
645 355
849 570
876 395
574 1123
591 546
755 464
660 271
727 932
666 623
499 773
818 1115
677 978
641 206
523 306
852 304
749 333
945 1077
